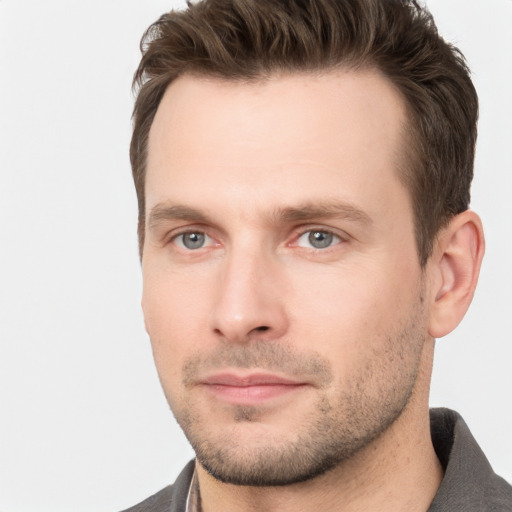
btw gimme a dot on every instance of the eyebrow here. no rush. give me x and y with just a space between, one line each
330 210
162 212
306 212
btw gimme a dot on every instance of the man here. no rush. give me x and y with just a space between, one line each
303 171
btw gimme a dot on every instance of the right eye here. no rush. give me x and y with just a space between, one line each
192 240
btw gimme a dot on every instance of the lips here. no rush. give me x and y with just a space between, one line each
249 389
258 379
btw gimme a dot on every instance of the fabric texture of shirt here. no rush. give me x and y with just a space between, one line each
469 483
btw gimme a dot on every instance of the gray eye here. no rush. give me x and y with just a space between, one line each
318 239
192 240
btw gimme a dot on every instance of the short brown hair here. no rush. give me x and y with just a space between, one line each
251 39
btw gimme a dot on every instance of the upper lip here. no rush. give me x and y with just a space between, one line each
254 379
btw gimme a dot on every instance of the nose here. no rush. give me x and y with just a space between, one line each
249 302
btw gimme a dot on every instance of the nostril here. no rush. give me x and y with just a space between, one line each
262 328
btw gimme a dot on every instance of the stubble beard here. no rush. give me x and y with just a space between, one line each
331 433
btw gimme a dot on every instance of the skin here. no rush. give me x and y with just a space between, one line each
255 169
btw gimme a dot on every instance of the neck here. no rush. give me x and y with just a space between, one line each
397 471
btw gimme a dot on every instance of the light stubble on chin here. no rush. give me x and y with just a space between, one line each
329 433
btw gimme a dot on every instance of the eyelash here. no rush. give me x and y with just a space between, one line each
340 238
192 229
310 229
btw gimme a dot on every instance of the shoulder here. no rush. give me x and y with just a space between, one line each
159 502
172 498
469 482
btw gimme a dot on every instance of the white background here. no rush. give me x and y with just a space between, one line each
84 425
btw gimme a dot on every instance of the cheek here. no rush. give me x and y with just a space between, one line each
176 317
340 299
348 312
171 299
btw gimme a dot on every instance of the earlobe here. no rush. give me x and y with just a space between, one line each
456 264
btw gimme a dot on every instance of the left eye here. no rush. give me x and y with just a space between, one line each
318 239
192 240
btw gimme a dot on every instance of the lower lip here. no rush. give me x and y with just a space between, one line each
251 395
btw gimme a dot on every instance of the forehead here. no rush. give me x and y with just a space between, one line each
276 139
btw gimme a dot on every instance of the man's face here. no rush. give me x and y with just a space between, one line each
282 289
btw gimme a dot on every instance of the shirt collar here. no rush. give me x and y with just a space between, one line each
194 497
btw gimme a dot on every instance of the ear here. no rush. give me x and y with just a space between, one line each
455 268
